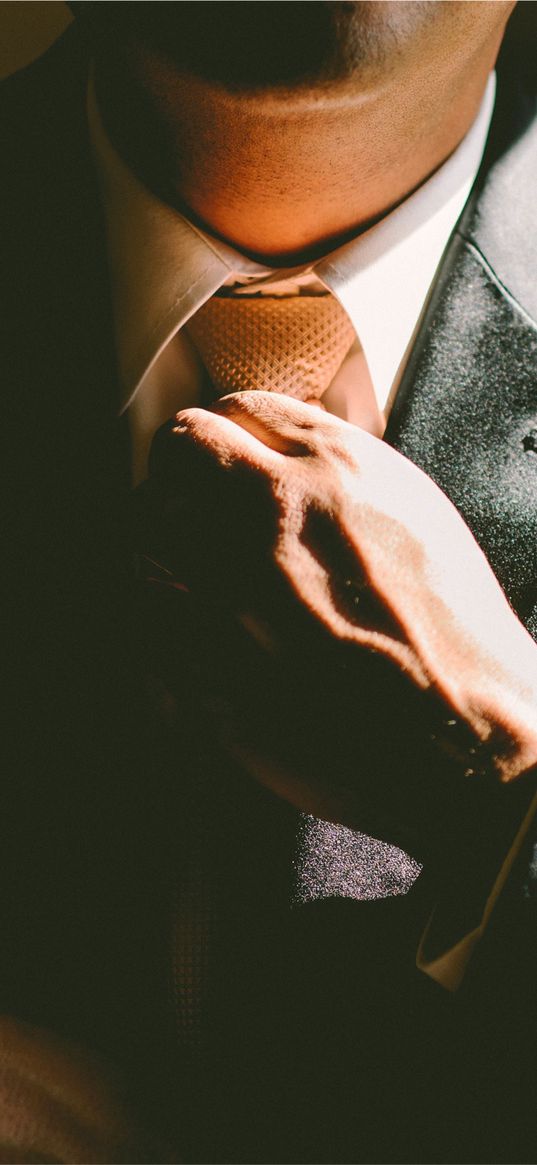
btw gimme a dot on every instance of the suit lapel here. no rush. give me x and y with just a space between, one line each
466 412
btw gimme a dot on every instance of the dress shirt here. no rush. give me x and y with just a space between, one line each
163 268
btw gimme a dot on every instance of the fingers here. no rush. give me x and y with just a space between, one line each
192 453
279 422
217 434
255 429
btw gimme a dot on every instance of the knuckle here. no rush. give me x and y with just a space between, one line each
237 402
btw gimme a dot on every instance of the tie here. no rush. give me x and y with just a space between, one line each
293 345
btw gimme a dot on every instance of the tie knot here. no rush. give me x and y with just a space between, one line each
292 345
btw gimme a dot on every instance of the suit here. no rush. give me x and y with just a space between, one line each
305 1049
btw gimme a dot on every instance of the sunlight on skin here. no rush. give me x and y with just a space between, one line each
281 172
282 175
461 639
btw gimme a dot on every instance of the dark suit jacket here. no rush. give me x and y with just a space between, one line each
315 1037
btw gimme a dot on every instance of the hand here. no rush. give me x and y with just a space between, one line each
308 543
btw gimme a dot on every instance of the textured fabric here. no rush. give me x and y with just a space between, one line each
468 417
509 249
333 861
293 345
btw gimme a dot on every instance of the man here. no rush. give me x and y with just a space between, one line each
313 644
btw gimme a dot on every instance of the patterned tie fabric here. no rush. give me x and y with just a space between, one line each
247 865
293 345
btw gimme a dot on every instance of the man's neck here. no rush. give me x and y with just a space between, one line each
286 176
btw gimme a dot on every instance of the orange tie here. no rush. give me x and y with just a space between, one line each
293 345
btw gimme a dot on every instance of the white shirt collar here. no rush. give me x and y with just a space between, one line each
163 268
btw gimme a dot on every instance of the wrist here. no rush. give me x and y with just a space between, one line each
505 715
